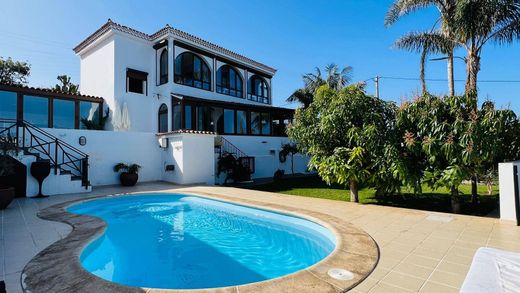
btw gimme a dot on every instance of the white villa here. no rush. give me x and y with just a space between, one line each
175 103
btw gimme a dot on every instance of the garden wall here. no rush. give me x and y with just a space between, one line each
265 149
107 148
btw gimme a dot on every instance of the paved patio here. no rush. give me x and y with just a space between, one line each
420 251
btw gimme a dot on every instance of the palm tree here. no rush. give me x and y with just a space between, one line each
446 9
426 44
302 96
338 79
478 22
335 79
470 24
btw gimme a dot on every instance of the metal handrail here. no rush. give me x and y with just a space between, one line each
244 160
228 147
61 155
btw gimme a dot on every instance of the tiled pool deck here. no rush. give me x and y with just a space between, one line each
420 251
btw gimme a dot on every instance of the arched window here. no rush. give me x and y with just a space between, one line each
163 67
257 89
163 119
229 81
191 70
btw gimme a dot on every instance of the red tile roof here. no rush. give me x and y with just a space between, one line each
180 131
45 91
110 25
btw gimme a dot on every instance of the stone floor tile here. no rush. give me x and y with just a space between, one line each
432 287
403 281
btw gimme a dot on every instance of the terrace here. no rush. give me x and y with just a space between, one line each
419 251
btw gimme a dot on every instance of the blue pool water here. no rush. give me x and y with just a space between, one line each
187 242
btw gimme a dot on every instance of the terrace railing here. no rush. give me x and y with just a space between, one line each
33 140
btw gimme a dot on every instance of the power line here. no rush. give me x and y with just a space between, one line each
444 80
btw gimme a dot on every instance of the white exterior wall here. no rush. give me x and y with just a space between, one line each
97 75
507 190
193 157
136 54
53 184
265 149
107 148
103 73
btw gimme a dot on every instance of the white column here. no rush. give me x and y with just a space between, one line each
507 190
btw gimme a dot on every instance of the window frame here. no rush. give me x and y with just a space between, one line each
179 77
163 110
220 87
163 76
137 75
252 95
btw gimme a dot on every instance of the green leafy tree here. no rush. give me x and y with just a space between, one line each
14 72
458 140
437 129
342 132
335 78
66 86
288 149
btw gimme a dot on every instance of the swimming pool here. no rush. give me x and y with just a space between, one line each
176 241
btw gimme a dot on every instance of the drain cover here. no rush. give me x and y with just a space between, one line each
341 274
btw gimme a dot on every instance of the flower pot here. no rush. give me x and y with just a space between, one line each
40 170
7 195
128 179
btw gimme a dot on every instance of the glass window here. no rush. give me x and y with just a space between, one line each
8 102
163 119
136 81
36 110
187 117
200 118
176 117
229 121
63 114
241 122
163 67
257 90
229 81
89 111
266 124
192 70
256 126
214 120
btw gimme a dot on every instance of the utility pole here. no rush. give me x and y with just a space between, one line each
377 86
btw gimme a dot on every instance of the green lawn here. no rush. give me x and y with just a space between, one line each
432 200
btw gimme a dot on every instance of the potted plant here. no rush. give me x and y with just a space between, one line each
8 147
129 174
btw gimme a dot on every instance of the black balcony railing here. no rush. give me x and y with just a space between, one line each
32 140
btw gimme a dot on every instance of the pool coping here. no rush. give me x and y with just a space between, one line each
57 267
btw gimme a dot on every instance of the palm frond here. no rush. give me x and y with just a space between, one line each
402 8
302 96
434 42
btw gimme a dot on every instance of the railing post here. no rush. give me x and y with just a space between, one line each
56 156
84 171
17 138
23 136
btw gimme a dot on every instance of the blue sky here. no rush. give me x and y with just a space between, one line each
292 36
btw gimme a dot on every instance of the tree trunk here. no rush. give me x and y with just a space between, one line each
423 71
472 68
354 191
292 164
455 200
474 193
451 79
